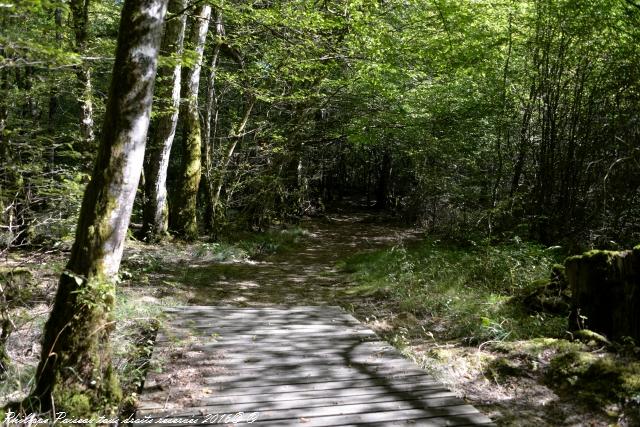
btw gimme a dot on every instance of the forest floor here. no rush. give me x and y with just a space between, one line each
507 379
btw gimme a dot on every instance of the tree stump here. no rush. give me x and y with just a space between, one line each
605 288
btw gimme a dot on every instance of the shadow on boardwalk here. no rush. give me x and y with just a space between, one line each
315 366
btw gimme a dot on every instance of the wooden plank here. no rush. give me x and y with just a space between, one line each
415 407
299 365
353 357
285 346
318 383
312 375
294 366
298 327
226 315
229 319
323 311
448 416
263 333
328 388
310 398
386 419
322 341
323 407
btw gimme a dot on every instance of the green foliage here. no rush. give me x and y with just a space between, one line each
505 118
243 246
472 288
273 241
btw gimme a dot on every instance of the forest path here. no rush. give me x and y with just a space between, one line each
305 365
306 275
267 337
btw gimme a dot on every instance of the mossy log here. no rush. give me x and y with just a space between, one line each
605 292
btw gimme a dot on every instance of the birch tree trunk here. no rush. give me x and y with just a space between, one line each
183 212
155 213
75 371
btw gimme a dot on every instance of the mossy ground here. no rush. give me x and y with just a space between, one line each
522 367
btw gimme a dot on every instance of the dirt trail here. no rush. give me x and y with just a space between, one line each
307 276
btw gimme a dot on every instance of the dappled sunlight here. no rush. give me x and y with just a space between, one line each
307 274
302 364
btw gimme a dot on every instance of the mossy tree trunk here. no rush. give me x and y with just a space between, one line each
5 150
163 128
183 211
75 370
80 16
210 120
605 289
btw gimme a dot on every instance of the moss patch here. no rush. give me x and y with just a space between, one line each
596 378
76 403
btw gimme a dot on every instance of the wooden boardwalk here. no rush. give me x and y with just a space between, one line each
301 366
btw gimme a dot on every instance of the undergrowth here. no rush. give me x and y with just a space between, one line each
243 246
471 289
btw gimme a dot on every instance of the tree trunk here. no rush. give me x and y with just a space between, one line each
5 150
54 93
183 212
524 142
75 371
80 15
155 213
218 178
210 123
604 292
382 187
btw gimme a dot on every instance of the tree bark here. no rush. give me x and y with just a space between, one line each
604 292
75 370
209 130
80 15
155 213
183 212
